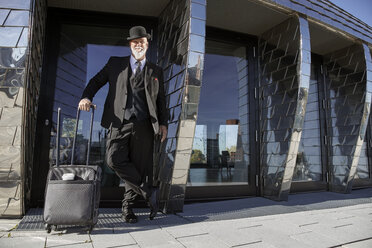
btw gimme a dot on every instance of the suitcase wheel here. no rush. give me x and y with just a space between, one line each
48 228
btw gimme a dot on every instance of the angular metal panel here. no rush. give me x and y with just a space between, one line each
181 54
348 92
15 4
14 28
284 85
3 15
22 71
9 36
328 13
17 18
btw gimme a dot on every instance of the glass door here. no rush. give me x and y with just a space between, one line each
78 47
221 154
84 51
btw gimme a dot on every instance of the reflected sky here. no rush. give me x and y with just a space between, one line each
219 92
218 141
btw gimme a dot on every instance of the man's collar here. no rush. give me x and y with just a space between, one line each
133 60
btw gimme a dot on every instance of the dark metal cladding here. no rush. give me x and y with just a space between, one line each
284 85
181 54
348 88
20 63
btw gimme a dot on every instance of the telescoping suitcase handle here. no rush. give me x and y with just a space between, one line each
75 134
58 135
90 134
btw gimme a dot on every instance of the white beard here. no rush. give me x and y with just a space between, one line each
138 53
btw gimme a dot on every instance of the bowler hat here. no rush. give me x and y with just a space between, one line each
138 32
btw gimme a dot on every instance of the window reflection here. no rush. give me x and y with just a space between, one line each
220 153
83 52
308 164
363 168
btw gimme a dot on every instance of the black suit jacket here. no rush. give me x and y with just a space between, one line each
115 72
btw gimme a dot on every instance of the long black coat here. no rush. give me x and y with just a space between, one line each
116 73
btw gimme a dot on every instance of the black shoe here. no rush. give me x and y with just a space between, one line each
153 203
129 216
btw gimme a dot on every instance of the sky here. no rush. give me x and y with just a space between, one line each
362 9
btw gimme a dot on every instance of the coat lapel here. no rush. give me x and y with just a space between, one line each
148 72
122 81
123 77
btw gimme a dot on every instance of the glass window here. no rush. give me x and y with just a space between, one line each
308 164
220 152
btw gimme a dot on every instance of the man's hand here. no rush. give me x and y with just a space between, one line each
163 131
85 104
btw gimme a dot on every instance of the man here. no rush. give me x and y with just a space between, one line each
134 111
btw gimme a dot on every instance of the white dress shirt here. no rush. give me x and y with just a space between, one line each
133 64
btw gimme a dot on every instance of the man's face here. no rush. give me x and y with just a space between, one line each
139 47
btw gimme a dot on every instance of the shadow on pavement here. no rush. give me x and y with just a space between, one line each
110 220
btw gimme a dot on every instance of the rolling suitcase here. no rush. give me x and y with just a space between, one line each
72 192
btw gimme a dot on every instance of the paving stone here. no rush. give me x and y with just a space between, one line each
202 241
107 238
360 244
232 236
362 211
74 239
363 223
270 236
258 245
18 242
186 230
315 239
22 234
126 246
329 218
285 227
8 224
344 233
155 238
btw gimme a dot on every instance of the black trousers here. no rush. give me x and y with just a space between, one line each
129 153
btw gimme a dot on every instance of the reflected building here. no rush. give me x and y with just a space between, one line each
257 106
212 152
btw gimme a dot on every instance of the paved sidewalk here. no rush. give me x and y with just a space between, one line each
321 219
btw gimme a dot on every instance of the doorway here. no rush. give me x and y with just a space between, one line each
78 45
222 163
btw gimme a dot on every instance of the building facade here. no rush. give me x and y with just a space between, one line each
266 97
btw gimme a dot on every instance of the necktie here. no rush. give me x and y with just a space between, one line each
138 69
